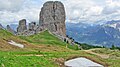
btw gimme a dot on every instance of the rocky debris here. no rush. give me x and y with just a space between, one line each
22 28
52 17
1 27
65 39
10 29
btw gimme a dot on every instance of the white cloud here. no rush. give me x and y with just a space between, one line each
76 9
12 5
82 10
111 7
24 9
90 11
111 10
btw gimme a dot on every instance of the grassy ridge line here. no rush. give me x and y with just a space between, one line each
47 39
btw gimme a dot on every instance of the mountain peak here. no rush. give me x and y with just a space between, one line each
1 27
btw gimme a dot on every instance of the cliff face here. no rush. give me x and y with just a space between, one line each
52 17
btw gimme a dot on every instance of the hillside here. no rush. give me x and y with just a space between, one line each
42 49
5 37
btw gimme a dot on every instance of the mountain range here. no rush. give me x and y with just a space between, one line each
106 34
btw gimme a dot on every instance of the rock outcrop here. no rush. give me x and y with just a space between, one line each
10 29
32 26
22 27
52 17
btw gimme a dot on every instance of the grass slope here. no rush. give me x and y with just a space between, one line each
114 56
6 36
42 38
47 39
41 50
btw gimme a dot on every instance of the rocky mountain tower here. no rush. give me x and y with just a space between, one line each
52 17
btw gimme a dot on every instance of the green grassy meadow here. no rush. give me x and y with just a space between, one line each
45 50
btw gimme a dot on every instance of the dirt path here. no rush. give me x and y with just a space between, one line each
40 55
105 56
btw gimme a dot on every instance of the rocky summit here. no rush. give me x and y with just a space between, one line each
51 17
22 27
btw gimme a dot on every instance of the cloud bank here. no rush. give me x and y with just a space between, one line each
86 11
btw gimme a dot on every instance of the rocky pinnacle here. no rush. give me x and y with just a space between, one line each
52 17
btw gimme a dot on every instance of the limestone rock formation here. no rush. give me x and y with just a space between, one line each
10 29
52 17
22 27
32 26
25 30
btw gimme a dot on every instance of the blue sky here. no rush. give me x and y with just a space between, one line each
86 11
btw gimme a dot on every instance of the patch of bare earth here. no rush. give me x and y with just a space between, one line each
59 61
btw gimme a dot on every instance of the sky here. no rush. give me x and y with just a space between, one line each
85 11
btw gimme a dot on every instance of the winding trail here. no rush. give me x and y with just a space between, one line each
105 56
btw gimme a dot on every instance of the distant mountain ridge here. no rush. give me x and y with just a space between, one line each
113 21
1 26
106 34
